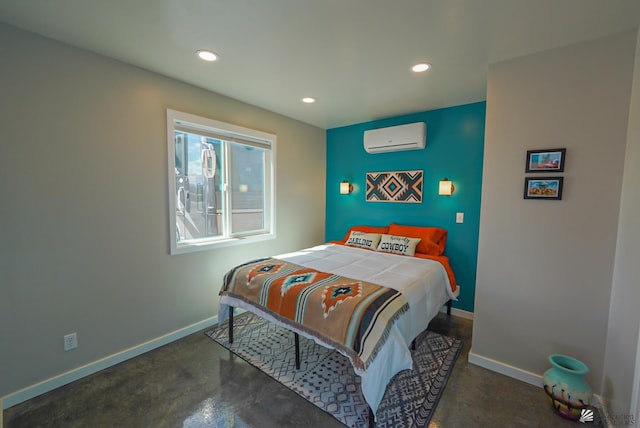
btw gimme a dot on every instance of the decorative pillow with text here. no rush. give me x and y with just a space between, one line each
398 245
364 240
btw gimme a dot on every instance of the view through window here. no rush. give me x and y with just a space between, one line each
221 182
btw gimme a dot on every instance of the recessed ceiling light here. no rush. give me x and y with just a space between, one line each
207 55
419 68
308 100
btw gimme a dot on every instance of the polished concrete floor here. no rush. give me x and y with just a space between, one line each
196 383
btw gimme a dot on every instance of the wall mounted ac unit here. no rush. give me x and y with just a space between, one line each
411 136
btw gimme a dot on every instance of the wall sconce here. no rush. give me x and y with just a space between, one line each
446 187
346 188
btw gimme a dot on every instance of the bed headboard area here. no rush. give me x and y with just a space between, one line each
454 150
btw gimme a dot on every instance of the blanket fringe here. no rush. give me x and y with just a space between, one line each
385 334
352 355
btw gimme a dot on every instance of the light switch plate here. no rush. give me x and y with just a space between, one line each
459 217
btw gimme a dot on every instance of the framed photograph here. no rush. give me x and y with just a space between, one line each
543 188
550 160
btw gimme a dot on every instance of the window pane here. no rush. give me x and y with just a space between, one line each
220 183
198 177
247 188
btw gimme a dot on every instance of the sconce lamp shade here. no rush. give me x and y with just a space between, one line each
346 188
446 187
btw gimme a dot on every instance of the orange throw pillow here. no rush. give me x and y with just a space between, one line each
432 239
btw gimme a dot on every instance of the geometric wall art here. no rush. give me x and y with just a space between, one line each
395 186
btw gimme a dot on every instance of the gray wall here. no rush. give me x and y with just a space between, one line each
545 268
83 210
624 315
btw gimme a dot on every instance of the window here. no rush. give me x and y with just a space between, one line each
220 183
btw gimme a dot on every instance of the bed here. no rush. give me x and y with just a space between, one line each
368 296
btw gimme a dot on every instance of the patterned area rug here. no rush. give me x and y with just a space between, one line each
326 378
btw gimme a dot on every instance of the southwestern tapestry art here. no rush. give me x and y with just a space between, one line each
395 186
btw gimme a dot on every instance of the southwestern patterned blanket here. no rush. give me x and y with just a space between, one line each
353 316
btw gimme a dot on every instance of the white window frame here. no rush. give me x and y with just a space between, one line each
228 132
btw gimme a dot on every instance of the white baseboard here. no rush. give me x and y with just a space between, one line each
520 374
505 369
459 313
101 364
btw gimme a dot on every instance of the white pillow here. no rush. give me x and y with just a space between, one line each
398 245
364 240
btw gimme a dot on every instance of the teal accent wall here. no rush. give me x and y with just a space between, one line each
455 143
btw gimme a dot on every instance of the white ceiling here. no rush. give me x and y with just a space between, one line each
353 56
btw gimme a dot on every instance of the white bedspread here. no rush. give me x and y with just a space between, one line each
424 283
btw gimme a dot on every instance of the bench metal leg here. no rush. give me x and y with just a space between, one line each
449 307
297 341
230 324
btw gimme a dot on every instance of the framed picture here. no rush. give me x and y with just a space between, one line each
543 188
395 186
550 160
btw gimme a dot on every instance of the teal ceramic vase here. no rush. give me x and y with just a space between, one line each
566 389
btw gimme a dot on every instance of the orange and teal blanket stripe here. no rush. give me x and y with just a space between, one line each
350 315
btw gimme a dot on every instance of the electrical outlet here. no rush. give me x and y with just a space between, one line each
70 341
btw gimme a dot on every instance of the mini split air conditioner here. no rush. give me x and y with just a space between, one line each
411 136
